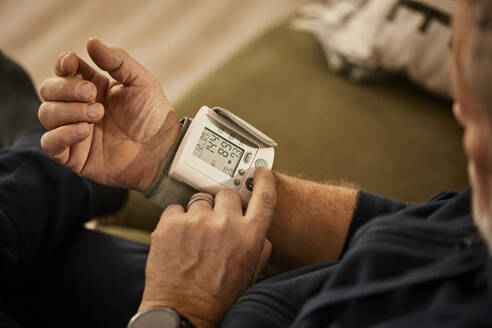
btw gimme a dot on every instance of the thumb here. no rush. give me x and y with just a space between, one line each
121 66
264 257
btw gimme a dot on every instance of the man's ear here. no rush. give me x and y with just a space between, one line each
459 114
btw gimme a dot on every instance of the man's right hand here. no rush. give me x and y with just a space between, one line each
116 131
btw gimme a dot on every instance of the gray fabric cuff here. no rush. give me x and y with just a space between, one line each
165 190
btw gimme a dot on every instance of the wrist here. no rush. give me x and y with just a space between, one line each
190 315
158 155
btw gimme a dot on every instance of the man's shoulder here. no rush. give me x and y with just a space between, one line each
446 195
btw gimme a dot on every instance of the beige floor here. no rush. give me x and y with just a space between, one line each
179 40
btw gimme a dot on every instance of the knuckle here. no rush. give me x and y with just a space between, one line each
193 224
198 220
201 217
220 223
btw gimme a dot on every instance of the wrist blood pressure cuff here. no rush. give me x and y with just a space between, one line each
166 190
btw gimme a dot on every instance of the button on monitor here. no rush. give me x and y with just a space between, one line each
260 162
249 184
247 158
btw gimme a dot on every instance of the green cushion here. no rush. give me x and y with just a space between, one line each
389 138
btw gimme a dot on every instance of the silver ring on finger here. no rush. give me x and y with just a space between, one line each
199 197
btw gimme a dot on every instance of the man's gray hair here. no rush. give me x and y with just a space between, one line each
477 58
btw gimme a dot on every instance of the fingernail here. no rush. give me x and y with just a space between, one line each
92 110
62 61
84 91
80 129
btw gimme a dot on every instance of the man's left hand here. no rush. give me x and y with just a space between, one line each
113 130
201 260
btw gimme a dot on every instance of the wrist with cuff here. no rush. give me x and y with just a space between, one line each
165 190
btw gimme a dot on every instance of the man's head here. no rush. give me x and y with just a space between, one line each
472 84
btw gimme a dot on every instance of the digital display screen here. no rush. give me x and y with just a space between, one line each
218 152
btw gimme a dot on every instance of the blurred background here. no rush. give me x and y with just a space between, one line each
376 119
178 41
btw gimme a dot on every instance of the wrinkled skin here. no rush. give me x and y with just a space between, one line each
132 127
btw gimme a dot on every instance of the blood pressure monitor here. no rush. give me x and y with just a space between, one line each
220 150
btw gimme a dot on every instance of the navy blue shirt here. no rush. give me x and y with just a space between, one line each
403 265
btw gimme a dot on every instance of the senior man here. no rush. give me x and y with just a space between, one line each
358 259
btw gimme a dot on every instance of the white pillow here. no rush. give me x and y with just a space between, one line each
367 39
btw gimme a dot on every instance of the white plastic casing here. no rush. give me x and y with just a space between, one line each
197 173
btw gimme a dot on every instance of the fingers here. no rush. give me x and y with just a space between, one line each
55 114
228 200
172 211
121 66
199 204
264 257
71 65
263 201
57 141
68 89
